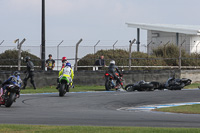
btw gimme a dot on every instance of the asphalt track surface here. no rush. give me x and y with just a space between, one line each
100 109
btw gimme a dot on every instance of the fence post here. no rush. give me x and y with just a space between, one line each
95 51
148 52
130 46
114 47
76 55
2 42
19 46
180 56
95 46
58 52
165 48
197 54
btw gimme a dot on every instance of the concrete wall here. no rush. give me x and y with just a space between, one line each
149 75
97 77
194 75
41 78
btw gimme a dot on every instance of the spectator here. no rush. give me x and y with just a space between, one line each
100 62
50 63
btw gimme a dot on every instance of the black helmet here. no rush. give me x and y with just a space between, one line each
27 58
16 73
50 55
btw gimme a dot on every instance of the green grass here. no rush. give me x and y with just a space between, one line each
7 128
186 109
192 86
51 89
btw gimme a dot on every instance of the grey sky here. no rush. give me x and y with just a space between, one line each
90 19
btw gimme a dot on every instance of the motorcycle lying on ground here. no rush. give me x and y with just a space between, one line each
10 94
142 86
111 83
176 84
64 86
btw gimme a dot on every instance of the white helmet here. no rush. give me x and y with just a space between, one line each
112 62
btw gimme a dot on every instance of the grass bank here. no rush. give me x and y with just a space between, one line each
78 88
186 109
5 128
51 89
192 86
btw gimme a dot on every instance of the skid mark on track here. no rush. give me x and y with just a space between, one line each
68 92
24 101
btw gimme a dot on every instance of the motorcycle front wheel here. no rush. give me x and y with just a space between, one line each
129 88
10 99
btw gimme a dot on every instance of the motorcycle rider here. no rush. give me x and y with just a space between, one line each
29 72
64 61
15 80
112 69
67 72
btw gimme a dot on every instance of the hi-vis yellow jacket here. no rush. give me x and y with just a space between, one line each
67 71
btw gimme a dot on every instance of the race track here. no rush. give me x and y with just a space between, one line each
100 109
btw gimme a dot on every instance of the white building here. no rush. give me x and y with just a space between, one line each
162 34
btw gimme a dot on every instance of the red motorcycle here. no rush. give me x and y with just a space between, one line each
9 95
112 83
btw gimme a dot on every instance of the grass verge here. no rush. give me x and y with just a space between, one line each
51 89
186 109
78 88
7 128
192 86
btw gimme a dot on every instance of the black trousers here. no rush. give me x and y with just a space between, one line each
116 78
31 76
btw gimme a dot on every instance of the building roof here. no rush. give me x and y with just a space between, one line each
185 29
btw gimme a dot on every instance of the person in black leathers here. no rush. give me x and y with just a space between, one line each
29 73
112 69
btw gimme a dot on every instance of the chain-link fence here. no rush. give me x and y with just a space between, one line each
67 48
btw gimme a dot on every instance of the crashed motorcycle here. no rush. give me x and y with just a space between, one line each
64 86
176 84
142 86
112 83
9 95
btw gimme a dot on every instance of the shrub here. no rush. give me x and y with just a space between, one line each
161 56
10 57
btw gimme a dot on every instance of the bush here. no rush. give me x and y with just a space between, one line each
10 57
121 58
161 56
170 54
